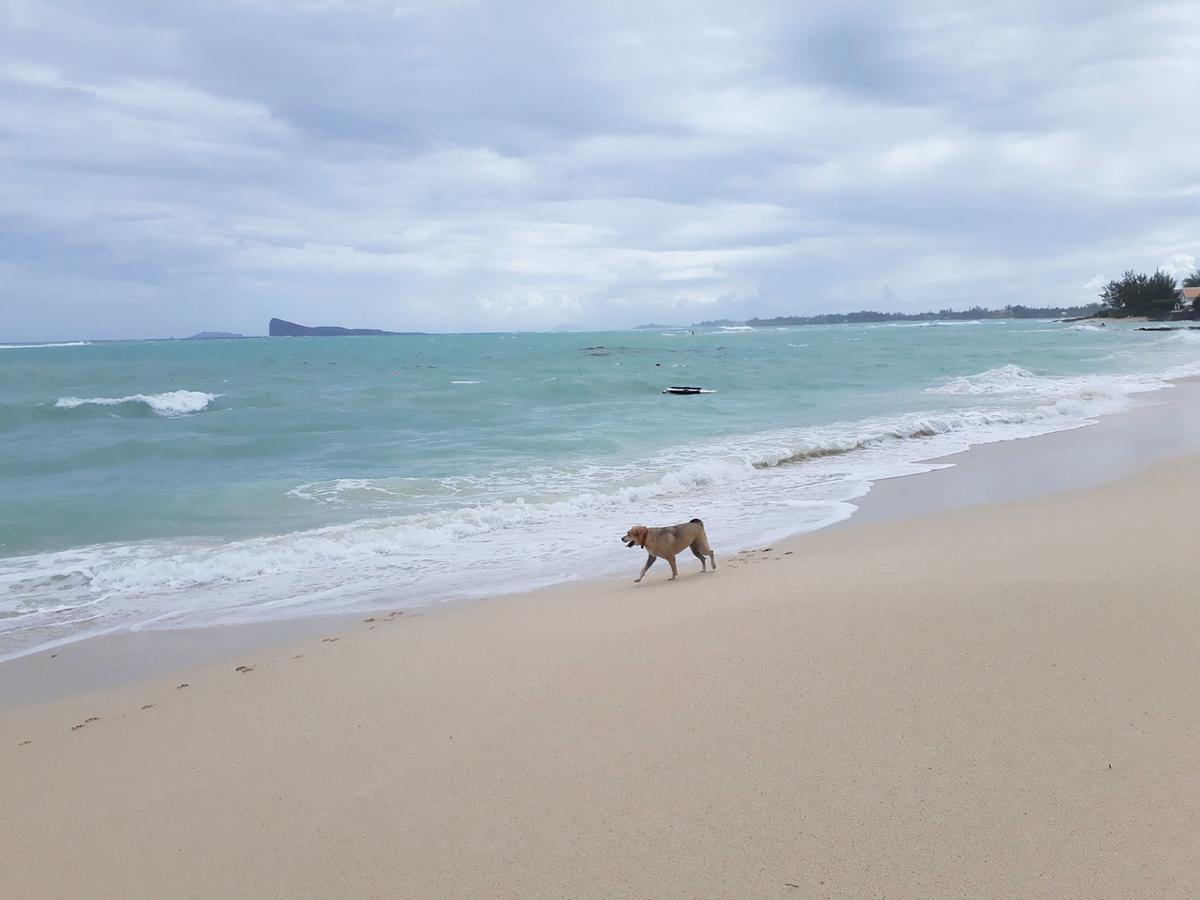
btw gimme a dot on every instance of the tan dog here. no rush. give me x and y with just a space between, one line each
670 541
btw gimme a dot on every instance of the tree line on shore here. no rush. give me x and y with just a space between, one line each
1133 294
1139 294
952 315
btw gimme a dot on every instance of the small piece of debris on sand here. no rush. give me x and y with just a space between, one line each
244 669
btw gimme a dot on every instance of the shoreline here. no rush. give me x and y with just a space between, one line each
1114 446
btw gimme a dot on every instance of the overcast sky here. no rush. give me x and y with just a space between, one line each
172 167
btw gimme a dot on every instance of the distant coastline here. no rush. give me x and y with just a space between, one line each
948 315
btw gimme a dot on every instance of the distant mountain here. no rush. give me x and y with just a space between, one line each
284 328
213 336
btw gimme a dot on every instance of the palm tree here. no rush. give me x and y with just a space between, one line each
1192 280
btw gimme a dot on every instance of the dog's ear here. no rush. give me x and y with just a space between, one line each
640 533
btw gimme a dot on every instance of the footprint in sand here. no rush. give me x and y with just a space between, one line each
370 620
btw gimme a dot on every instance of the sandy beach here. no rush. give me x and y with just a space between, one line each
997 700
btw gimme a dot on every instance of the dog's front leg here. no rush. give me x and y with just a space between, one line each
650 558
674 571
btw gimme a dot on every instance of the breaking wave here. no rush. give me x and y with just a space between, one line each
169 403
1018 382
43 346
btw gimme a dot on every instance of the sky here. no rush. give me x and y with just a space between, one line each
167 168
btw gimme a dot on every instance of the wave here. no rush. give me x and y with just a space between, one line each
938 323
168 403
1017 382
1002 380
42 346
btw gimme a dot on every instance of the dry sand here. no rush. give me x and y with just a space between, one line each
998 701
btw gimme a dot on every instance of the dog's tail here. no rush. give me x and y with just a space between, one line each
696 522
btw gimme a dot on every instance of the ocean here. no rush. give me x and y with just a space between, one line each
172 484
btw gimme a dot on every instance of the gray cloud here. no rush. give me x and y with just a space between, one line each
167 168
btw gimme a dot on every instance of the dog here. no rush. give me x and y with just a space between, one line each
670 541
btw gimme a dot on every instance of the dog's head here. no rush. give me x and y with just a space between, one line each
636 536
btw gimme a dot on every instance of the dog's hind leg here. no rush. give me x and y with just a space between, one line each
712 557
674 571
650 558
695 548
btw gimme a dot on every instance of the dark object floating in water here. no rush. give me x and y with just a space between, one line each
284 328
681 389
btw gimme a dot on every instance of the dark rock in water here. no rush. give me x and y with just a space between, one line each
284 328
213 336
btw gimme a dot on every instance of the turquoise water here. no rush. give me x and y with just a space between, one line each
171 484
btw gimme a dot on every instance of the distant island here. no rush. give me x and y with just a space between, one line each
284 328
946 315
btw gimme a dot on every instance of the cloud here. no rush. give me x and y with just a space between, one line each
168 168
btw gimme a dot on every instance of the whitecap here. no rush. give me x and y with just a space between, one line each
42 346
168 403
